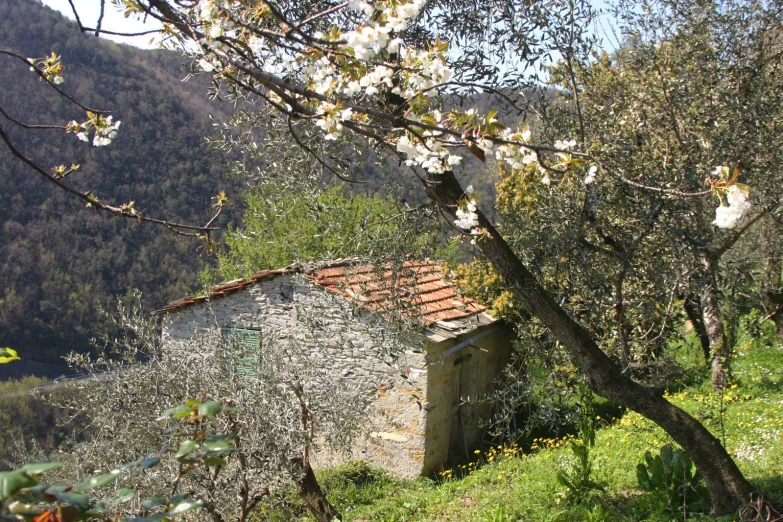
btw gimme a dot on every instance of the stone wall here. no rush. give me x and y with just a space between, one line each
350 343
417 419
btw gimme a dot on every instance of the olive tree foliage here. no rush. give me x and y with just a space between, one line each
26 495
339 77
693 88
283 226
279 406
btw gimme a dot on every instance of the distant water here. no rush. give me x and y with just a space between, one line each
19 369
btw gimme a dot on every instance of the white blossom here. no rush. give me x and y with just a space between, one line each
485 144
467 218
352 88
394 45
205 65
368 41
405 146
565 145
429 68
431 155
105 133
410 10
737 198
361 6
256 44
516 156
208 10
728 216
330 120
591 175
371 81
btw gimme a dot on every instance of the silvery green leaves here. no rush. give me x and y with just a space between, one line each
21 493
207 408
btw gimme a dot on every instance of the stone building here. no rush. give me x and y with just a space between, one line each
418 416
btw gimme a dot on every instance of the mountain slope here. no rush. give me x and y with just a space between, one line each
59 260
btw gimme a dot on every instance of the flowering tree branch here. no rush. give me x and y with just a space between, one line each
92 201
100 123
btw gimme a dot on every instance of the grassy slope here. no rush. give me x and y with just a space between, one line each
504 485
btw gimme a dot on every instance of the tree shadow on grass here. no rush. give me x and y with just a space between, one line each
770 486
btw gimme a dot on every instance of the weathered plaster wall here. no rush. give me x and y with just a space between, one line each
349 343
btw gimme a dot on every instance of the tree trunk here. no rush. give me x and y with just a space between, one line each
775 301
727 486
619 314
777 318
719 348
309 490
692 307
772 273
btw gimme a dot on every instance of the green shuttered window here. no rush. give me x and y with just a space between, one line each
248 344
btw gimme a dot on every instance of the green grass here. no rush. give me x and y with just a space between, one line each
503 484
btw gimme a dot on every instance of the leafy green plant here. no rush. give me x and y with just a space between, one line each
671 473
576 473
499 514
22 496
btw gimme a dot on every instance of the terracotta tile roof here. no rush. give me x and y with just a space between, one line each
418 288
223 289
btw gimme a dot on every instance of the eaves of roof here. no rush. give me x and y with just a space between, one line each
418 289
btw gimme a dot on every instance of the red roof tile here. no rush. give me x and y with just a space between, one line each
222 289
419 288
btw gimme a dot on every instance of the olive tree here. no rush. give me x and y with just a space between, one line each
278 406
680 95
689 101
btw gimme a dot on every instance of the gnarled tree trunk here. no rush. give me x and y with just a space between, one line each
309 490
775 300
727 486
713 325
692 306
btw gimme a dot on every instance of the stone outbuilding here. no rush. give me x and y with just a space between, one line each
419 418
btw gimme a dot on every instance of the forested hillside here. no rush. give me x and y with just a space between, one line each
58 259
